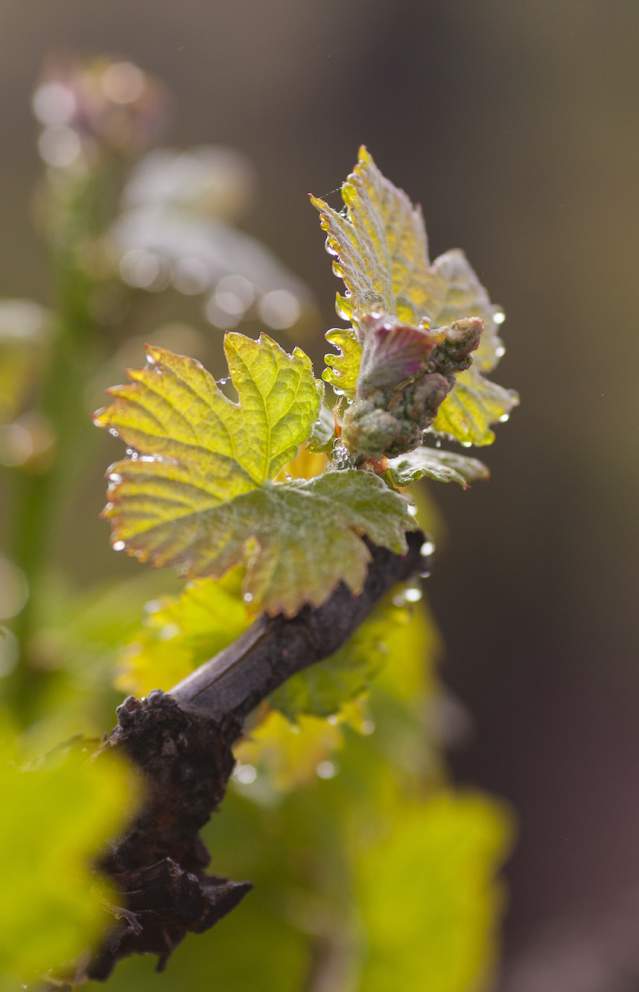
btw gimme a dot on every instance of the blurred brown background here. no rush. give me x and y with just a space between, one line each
515 125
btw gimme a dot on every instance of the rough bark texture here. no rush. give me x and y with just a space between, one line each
182 742
159 864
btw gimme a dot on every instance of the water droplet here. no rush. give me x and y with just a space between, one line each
132 454
118 545
150 359
245 774
504 418
223 381
427 549
326 770
500 351
248 597
499 316
413 594
438 443
168 631
340 455
412 509
467 444
115 477
368 727
113 432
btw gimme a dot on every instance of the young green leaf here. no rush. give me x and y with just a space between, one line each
473 405
464 296
380 248
173 410
381 253
200 495
342 370
432 463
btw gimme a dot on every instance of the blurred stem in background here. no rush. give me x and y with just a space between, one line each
92 124
38 488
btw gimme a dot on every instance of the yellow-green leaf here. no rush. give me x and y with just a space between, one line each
429 900
199 497
475 402
55 821
300 539
174 411
464 296
380 248
342 370
473 405
433 463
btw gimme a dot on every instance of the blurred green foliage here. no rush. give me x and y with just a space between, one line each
56 817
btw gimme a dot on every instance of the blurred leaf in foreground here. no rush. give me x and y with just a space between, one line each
56 818
201 495
428 898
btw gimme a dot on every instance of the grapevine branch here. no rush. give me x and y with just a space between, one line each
182 742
